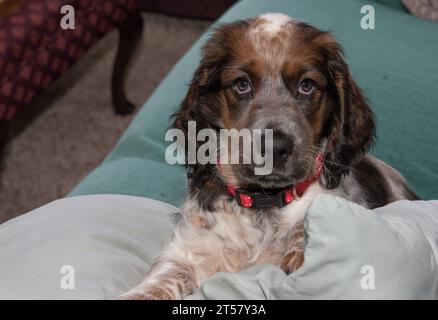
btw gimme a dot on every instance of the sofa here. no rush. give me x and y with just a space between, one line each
386 62
114 222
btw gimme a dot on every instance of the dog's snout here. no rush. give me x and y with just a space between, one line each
283 145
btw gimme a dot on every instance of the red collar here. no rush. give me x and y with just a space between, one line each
277 197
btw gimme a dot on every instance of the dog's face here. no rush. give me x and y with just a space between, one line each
276 73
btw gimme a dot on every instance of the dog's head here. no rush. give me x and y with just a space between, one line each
273 72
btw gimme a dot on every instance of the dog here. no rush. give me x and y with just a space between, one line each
269 72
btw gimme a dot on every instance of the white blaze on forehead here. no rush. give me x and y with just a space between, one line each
274 21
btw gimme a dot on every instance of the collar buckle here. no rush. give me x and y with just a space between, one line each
275 198
261 200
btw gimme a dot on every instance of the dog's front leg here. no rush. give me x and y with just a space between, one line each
186 263
292 227
293 258
167 280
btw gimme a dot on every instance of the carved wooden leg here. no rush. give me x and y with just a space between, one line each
129 35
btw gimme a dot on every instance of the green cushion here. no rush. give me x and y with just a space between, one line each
344 260
395 64
393 3
109 242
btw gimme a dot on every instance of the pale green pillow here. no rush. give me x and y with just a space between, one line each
111 241
351 253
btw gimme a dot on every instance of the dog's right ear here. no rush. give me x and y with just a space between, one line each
194 107
206 79
187 109
199 106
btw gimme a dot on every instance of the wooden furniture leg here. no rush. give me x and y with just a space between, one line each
129 35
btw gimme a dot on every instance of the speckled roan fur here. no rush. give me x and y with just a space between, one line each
213 233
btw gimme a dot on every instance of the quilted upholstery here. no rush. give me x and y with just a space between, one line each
35 51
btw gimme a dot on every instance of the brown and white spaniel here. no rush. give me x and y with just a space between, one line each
269 72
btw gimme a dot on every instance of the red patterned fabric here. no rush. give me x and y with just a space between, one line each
35 50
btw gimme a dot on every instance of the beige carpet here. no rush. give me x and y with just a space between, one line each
77 128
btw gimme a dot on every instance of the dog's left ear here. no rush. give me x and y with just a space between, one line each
353 125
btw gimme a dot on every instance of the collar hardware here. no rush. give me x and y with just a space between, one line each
261 200
278 198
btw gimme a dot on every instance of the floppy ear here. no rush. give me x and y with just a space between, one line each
353 125
215 54
197 105
190 110
188 107
200 106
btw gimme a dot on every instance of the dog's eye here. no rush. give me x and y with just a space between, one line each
242 86
306 87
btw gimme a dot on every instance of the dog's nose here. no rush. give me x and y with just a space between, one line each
283 145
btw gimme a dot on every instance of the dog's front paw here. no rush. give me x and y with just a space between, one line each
292 260
152 294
